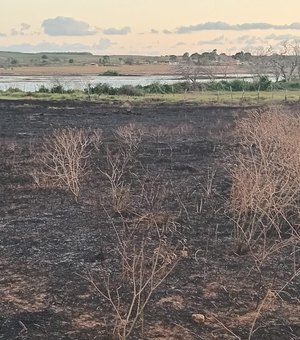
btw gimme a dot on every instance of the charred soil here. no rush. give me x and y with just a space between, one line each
50 243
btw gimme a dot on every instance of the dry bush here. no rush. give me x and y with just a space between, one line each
146 256
146 251
264 202
119 161
162 219
121 198
118 164
130 136
62 161
154 191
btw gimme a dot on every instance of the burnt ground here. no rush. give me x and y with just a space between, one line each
49 243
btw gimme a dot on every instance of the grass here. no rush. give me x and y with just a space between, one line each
205 97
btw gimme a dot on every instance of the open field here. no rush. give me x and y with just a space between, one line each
145 69
30 64
88 69
153 199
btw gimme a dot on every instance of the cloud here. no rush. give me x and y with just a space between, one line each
153 31
2 34
167 32
180 43
283 37
216 41
223 26
249 40
103 44
46 47
65 26
22 29
117 31
25 27
14 32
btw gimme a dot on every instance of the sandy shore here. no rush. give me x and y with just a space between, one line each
147 69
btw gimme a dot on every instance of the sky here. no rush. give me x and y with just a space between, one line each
152 27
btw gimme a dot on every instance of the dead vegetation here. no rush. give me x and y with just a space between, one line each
264 200
62 161
265 192
207 243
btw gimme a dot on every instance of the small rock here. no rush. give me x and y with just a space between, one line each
199 318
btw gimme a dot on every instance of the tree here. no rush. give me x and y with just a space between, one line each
172 58
242 56
198 66
260 62
287 62
186 56
192 72
196 57
106 60
129 61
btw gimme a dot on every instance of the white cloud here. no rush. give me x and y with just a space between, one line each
216 41
65 26
46 47
103 44
250 40
283 37
223 26
117 31
22 29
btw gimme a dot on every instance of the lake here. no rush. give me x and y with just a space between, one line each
33 83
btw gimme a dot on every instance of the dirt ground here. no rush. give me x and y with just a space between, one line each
50 243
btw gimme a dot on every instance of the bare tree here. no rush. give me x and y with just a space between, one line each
260 61
287 61
192 72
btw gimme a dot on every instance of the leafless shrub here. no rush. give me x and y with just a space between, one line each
117 166
154 191
264 202
146 256
130 136
119 162
96 138
63 158
121 197
163 220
